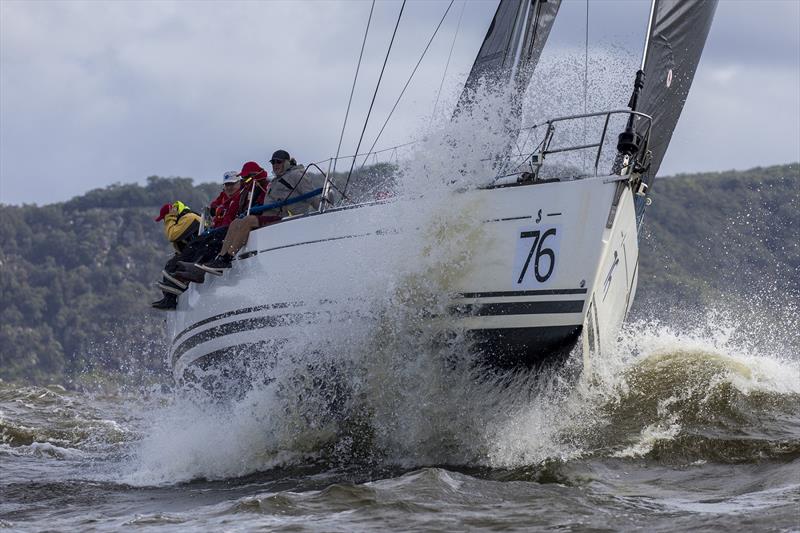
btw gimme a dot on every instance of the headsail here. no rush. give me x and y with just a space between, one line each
513 44
677 35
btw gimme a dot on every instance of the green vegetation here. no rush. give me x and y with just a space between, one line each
722 236
76 277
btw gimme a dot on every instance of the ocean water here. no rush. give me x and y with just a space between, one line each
672 432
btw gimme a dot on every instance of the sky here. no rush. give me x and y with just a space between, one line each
99 92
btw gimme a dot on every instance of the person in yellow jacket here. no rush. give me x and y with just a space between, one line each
181 226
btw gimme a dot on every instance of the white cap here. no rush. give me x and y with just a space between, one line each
231 176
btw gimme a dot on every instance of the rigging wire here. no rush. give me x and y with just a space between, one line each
375 94
353 89
391 148
585 79
446 11
450 55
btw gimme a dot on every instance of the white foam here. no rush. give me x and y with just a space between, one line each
43 449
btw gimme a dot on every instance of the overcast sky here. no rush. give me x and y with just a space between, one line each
97 92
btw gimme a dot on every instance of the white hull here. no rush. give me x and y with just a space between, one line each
473 249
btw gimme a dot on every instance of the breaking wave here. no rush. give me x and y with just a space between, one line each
663 395
52 421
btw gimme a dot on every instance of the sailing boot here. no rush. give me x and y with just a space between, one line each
192 273
167 286
174 280
169 301
218 265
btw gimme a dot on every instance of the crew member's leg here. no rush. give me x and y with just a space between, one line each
235 239
171 285
175 278
237 235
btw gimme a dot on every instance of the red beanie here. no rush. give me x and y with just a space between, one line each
164 210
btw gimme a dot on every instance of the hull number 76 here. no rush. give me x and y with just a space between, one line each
535 261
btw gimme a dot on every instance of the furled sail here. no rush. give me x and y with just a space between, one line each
677 35
513 44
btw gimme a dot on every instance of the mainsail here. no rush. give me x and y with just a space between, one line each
676 38
512 46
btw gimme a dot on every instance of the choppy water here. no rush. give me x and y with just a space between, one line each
674 432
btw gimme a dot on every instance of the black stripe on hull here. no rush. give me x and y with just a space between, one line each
508 348
240 326
288 319
519 308
248 351
279 305
284 305
538 292
501 348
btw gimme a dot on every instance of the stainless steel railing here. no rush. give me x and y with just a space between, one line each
544 148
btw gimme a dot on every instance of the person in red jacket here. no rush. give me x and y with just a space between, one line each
253 182
231 183
254 178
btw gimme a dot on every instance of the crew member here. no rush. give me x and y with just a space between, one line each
231 183
181 227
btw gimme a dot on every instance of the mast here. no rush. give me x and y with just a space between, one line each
676 35
629 141
522 29
647 37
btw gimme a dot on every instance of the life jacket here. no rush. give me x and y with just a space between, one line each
218 207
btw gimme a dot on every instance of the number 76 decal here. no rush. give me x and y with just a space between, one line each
536 255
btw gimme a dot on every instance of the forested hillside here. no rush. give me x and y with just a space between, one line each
722 236
76 277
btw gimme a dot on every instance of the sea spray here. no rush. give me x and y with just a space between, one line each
684 395
468 149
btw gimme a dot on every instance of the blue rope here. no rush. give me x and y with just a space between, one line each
261 208
266 207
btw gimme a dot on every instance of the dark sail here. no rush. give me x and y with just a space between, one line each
513 44
677 36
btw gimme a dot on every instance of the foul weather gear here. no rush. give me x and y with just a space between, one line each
182 227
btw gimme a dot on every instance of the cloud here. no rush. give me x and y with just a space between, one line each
733 119
96 92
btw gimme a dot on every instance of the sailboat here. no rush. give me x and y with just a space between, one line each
555 265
